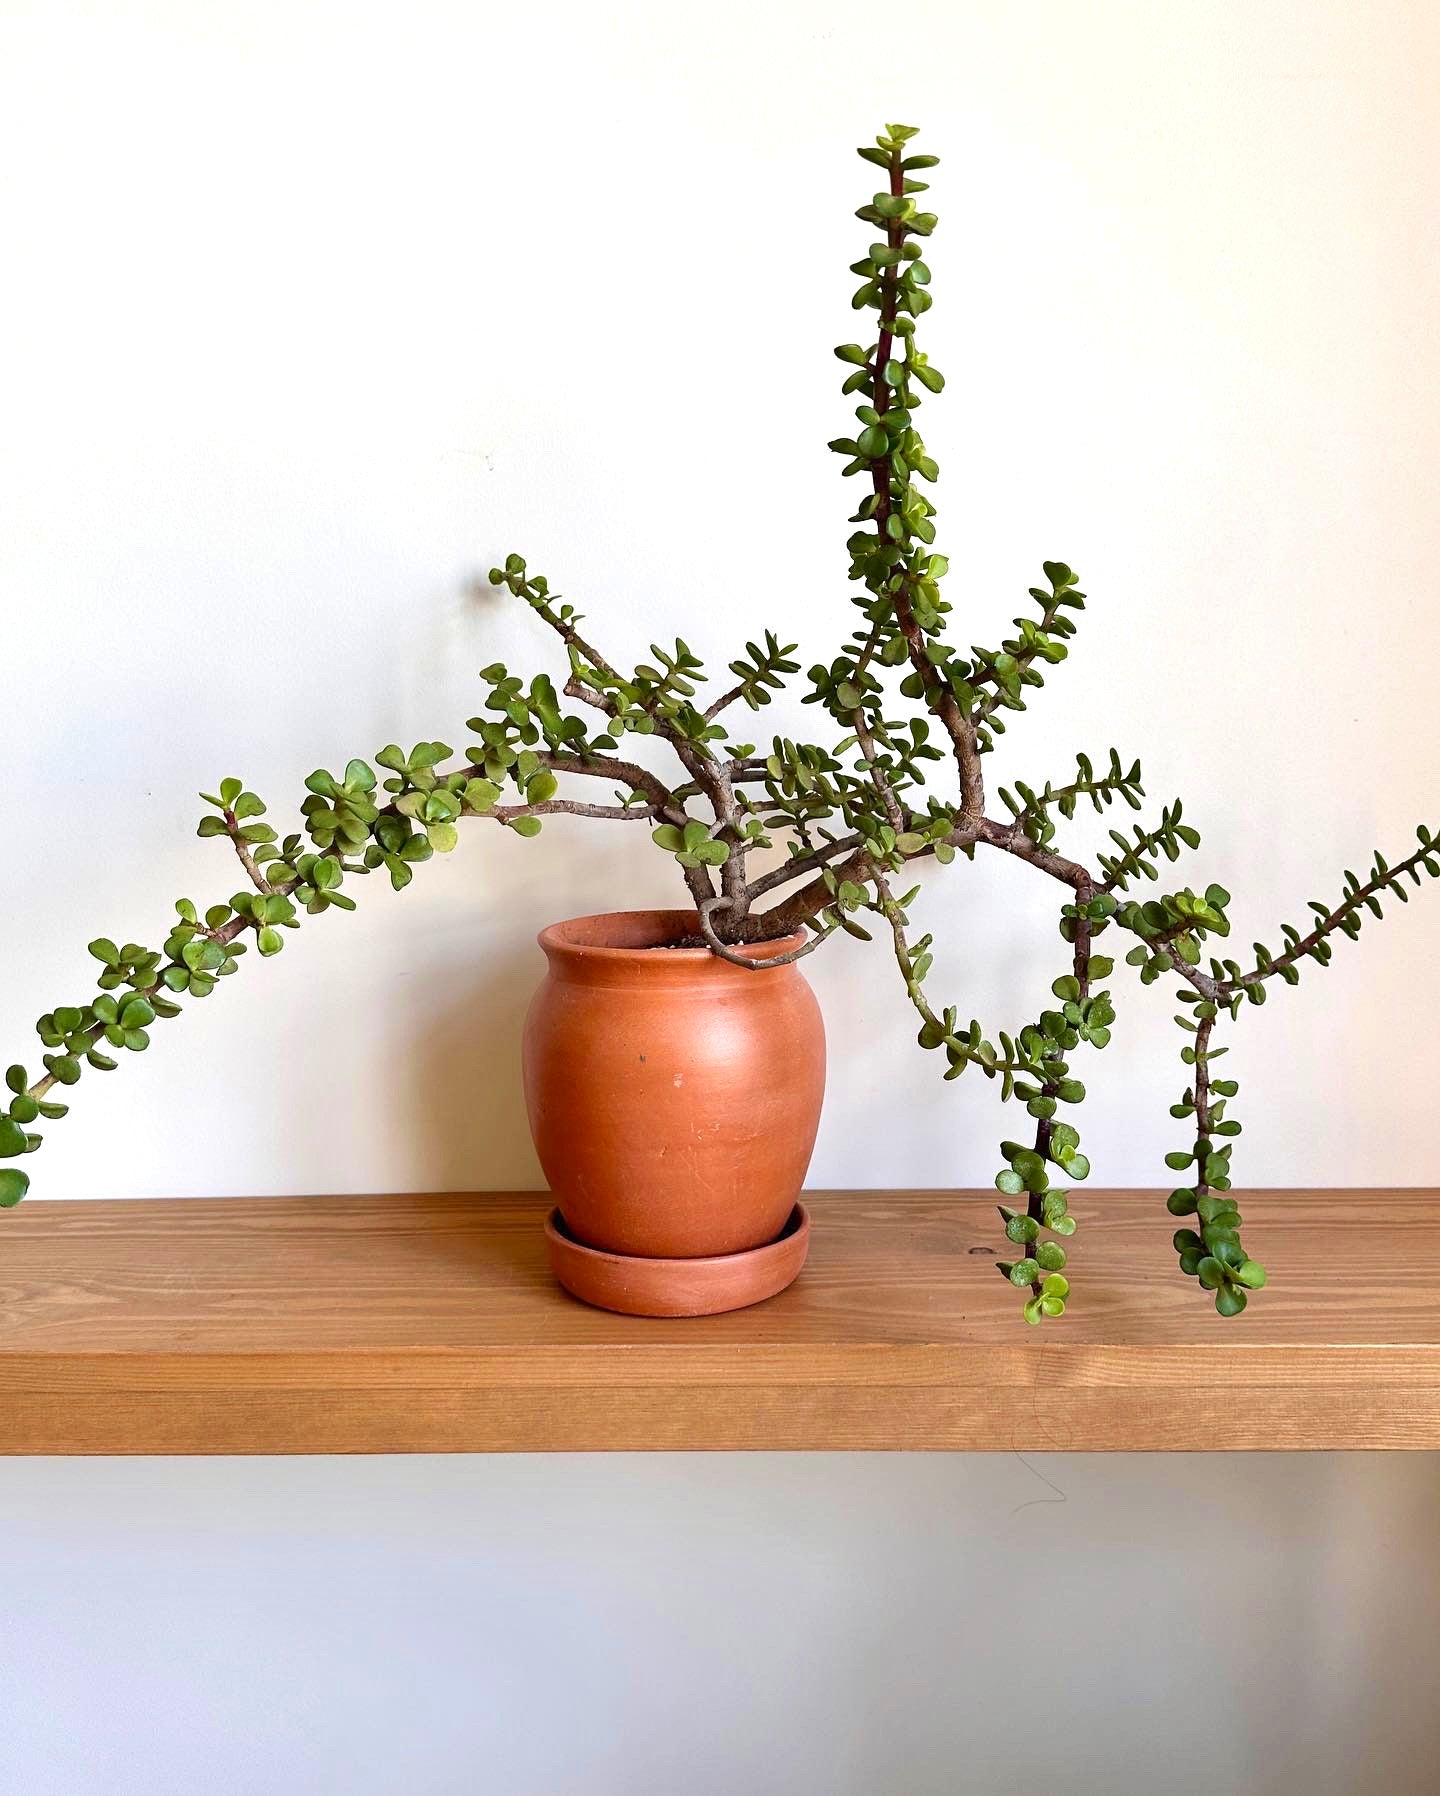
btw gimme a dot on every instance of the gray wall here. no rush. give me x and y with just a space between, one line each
759 1625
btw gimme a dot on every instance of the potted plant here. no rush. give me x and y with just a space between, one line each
674 1060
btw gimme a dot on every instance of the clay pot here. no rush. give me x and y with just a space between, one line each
673 1097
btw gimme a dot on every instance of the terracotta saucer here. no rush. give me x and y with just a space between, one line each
708 1286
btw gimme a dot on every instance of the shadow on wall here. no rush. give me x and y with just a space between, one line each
467 1106
459 1006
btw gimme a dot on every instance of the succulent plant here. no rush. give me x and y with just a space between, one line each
822 835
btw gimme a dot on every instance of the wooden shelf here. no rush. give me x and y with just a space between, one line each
430 1324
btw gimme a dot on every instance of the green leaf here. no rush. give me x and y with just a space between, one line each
105 951
12 1139
443 836
13 1186
269 941
1229 1300
525 826
1064 1139
1251 1273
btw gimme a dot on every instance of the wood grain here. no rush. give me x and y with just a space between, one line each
430 1324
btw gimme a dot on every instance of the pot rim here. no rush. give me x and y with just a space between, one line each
566 938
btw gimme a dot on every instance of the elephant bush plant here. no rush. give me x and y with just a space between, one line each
798 836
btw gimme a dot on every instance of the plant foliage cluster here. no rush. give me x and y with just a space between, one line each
898 783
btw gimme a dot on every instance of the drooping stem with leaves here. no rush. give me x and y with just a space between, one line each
794 838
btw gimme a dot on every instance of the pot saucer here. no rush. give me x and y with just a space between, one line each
635 1285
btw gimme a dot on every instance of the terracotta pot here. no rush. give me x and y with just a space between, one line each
673 1098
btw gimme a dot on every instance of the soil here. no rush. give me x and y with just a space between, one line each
690 941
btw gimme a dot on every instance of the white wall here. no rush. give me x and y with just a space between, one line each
314 311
